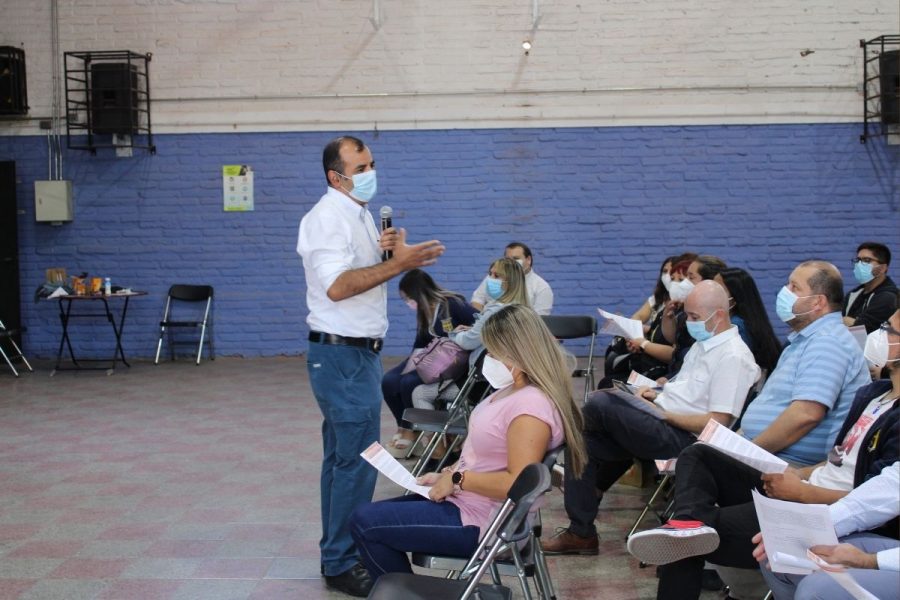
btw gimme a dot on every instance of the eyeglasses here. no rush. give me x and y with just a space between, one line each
865 260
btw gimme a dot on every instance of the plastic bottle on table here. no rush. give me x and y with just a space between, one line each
107 286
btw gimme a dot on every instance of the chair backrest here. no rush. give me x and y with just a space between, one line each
552 455
531 484
568 327
190 293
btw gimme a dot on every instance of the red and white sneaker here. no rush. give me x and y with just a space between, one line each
673 541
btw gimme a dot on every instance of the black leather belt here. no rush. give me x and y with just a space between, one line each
330 339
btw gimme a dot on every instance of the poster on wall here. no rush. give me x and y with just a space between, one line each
237 187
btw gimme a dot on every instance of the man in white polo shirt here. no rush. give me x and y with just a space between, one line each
713 383
540 296
346 295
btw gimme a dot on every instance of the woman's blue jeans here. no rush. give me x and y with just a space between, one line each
385 531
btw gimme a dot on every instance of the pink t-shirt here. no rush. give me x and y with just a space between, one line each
485 447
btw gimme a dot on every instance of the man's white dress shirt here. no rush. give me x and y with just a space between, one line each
338 235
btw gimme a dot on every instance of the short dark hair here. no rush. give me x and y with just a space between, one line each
525 250
881 252
710 266
826 280
331 156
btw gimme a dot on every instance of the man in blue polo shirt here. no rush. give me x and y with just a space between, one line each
797 416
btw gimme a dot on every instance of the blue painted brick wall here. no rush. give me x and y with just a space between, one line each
600 207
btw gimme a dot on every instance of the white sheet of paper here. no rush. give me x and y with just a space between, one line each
638 380
391 468
842 577
58 292
617 325
736 446
790 529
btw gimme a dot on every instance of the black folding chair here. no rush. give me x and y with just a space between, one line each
202 313
533 562
571 327
453 421
15 353
508 527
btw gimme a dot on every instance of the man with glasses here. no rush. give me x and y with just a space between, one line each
875 298
798 415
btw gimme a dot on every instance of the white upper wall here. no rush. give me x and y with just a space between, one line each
225 65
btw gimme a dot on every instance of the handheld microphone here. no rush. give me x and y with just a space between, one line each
386 213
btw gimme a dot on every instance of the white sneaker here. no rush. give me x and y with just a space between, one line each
673 541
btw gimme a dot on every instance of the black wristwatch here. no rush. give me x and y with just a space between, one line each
458 478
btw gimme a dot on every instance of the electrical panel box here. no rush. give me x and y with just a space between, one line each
53 201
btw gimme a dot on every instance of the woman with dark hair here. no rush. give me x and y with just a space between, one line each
749 314
657 300
438 312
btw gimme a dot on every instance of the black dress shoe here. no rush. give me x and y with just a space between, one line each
355 581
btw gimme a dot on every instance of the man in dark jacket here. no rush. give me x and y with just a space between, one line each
714 514
873 301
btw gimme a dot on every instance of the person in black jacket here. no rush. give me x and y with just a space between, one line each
716 506
875 298
438 312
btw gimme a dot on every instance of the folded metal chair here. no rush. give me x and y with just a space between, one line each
16 352
180 294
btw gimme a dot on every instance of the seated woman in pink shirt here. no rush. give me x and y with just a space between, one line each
531 412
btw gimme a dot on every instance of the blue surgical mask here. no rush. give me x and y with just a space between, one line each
697 329
784 304
863 272
494 287
364 185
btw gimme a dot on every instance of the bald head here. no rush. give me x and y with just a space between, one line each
708 298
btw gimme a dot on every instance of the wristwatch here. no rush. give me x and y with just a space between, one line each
458 478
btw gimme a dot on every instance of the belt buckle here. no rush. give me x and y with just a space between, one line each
377 344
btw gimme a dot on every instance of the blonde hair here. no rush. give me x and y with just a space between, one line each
518 335
514 277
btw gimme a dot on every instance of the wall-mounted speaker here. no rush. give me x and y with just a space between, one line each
114 98
13 88
889 66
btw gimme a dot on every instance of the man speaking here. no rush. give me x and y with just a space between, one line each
346 294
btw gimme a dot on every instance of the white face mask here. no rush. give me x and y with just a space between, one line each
666 280
681 290
878 348
496 373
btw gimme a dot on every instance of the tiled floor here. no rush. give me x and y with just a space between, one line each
185 482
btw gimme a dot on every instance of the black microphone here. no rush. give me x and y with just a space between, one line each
386 213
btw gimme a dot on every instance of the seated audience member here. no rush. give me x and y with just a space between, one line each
718 372
875 298
873 560
438 312
750 317
822 367
659 297
799 411
540 296
505 284
531 412
705 267
618 360
661 351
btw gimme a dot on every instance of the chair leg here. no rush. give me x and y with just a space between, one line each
659 489
200 346
9 362
162 332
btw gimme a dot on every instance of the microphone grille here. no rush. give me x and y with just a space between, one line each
386 212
